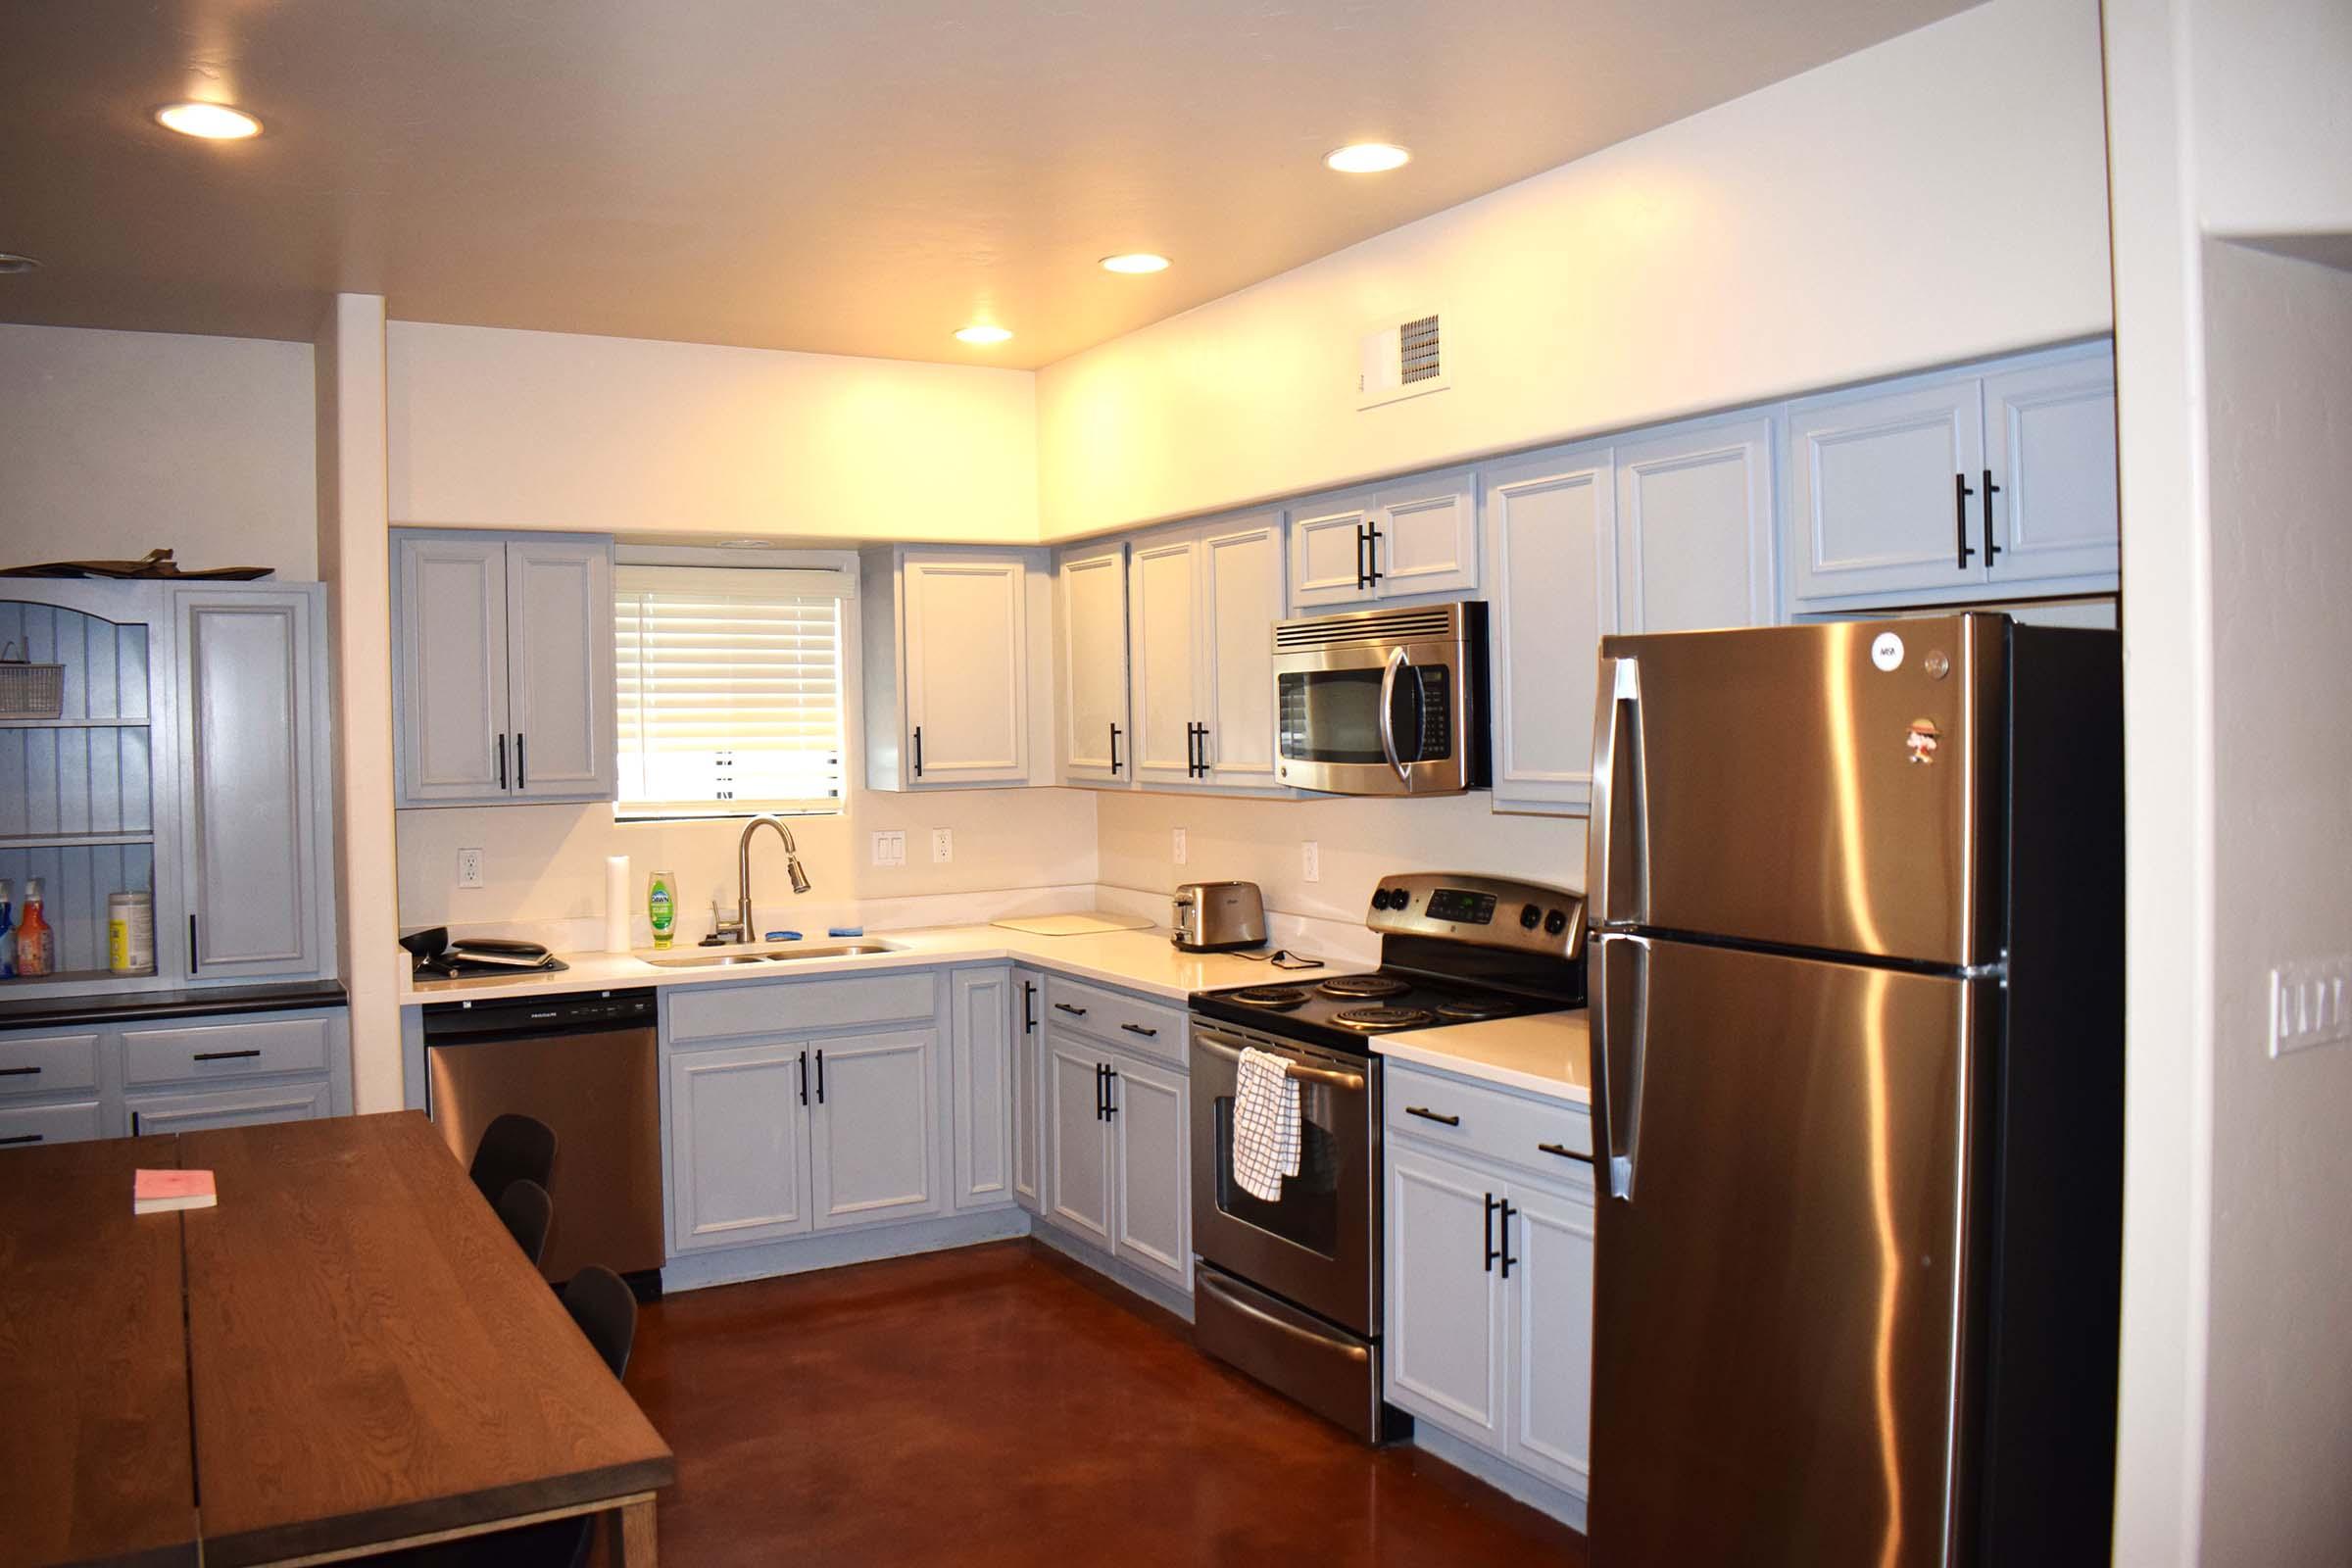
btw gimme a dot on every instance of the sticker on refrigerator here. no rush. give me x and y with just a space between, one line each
1887 651
1920 742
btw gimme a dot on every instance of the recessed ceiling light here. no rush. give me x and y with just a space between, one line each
1367 158
11 262
981 334
212 122
1135 261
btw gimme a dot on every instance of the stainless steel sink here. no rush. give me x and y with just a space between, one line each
729 957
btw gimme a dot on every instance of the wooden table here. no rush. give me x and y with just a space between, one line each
370 1360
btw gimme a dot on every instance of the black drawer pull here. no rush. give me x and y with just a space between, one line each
228 1056
1427 1114
1138 1029
18 1072
1564 1151
23 1138
1075 1012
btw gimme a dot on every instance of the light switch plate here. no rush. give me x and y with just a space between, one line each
890 849
943 845
469 868
2308 1004
1311 861
1179 850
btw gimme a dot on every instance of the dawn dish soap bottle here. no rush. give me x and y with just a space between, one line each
662 906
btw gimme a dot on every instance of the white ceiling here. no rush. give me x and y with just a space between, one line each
848 177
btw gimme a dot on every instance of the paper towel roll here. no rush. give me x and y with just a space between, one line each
619 918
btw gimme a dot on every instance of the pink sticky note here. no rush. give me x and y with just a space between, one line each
157 1192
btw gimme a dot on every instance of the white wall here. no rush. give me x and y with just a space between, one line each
2273 80
506 429
2278 1414
113 444
1937 197
1360 839
547 862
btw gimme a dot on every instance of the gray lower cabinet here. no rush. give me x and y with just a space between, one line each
252 782
133 1078
981 1005
873 1144
738 1145
503 667
1490 1269
1117 1173
1028 1089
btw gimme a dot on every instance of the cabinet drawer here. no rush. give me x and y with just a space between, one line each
232 1048
1146 1028
793 1006
26 1126
37 1064
151 1114
1491 1124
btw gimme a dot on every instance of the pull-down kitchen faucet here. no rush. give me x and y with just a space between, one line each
741 926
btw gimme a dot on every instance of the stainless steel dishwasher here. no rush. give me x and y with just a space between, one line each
583 1063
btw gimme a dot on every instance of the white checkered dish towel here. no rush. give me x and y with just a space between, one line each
1265 1124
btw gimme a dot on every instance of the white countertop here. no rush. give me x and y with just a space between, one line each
1132 961
1546 1054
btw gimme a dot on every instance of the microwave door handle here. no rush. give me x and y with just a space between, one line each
1388 722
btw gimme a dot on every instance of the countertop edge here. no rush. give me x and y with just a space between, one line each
51 1012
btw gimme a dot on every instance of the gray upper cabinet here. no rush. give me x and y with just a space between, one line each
1093 654
1957 486
251 758
1694 536
502 678
1414 537
950 665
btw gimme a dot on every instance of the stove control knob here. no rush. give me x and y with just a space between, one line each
1555 922
1529 914
1380 898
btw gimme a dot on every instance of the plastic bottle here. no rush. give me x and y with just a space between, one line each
36 944
8 933
662 906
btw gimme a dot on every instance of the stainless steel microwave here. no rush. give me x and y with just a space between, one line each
1382 701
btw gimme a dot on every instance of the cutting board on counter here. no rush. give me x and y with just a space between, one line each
1090 923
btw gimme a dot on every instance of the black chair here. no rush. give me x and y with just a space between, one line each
601 1303
514 1149
528 1212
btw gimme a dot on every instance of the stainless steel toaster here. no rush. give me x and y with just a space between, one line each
1219 916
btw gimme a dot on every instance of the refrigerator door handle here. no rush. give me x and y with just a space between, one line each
1619 1017
1620 688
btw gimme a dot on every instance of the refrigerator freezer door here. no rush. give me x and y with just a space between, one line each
1779 1339
1831 787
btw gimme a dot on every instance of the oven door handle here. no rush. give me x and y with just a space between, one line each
1206 1281
1296 1069
1388 672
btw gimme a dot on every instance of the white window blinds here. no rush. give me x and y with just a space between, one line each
729 689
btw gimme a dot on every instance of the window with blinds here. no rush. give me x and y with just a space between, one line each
729 692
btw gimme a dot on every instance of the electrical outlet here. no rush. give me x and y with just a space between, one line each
943 845
2308 1004
1178 849
1311 861
469 868
890 849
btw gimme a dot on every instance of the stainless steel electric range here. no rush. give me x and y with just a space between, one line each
1288 1290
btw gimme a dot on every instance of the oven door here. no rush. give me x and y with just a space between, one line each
1318 1246
1373 719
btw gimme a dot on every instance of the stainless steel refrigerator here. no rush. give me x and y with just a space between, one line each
1856 980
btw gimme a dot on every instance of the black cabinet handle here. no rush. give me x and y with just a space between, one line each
1507 1258
1427 1114
1362 544
1075 1012
1110 1106
1372 572
134 1124
1202 745
518 776
803 1077
228 1056
1492 1255
1138 1029
1960 494
918 750
23 1138
1028 1007
502 760
18 1072
1099 1070
192 962
1563 1150
821 1075
1992 551
1115 748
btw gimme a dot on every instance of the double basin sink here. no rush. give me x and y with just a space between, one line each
727 957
